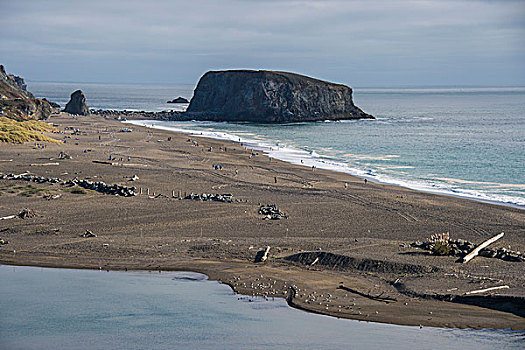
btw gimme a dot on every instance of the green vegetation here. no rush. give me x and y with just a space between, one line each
26 191
441 248
12 131
440 244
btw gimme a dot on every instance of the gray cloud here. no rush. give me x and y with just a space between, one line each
360 43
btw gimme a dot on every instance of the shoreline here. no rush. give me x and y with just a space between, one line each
213 275
319 164
289 299
370 223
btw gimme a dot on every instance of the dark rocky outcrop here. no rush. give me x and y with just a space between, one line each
53 104
179 99
77 104
270 97
18 103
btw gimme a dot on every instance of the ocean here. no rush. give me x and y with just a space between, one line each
467 142
85 309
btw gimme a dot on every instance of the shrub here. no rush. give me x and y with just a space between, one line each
440 244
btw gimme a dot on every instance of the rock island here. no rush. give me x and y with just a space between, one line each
270 97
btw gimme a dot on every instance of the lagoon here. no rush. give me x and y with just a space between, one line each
45 308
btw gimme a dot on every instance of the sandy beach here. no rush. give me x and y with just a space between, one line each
372 274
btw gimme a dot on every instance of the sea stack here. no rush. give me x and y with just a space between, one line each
179 99
270 97
77 104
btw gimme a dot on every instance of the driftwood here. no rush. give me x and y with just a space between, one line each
486 290
24 213
476 250
45 164
262 255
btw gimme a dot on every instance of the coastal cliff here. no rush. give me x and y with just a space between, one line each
270 97
18 103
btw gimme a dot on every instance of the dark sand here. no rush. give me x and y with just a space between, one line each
367 222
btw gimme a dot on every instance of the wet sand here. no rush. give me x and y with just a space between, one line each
369 224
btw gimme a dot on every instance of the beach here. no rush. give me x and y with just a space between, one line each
382 279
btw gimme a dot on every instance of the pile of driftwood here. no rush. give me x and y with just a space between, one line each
88 234
271 212
226 197
468 250
99 186
23 214
29 177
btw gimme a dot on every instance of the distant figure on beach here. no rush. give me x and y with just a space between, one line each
366 181
346 185
275 179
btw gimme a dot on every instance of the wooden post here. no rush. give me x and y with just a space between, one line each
476 250
141 190
172 193
147 191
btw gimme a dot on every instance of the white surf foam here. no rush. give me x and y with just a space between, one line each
307 158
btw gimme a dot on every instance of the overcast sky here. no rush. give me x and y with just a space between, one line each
359 43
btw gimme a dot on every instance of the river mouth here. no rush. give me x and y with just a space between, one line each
85 309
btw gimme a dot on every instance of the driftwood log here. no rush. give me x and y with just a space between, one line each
486 290
476 250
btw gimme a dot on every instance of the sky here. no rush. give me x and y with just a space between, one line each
358 43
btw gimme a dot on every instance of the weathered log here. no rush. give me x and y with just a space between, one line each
486 290
476 250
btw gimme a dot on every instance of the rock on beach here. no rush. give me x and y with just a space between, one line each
77 104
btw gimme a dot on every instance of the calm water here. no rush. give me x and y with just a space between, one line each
82 309
151 98
462 141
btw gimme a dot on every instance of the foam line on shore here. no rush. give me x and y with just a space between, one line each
306 158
